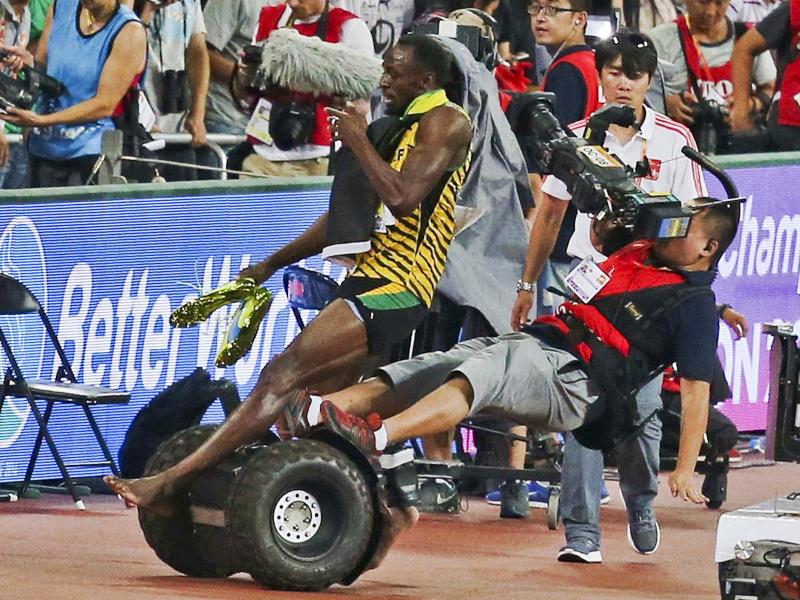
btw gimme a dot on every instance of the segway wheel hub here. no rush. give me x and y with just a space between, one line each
297 516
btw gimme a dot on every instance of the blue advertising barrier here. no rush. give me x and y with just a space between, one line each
111 263
109 272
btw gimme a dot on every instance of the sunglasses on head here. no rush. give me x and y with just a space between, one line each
638 41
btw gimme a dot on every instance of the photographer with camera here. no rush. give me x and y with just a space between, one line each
626 63
177 75
779 31
289 130
99 53
15 29
699 87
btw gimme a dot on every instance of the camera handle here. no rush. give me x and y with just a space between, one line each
709 165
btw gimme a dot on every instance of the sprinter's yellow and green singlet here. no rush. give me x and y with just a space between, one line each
410 255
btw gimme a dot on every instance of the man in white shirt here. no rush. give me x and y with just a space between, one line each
177 63
626 63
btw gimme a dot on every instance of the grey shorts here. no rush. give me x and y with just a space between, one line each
516 375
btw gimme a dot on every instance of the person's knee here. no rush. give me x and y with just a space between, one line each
278 378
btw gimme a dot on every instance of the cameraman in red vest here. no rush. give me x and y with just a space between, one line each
779 31
304 151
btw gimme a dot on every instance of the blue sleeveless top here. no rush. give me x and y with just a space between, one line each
76 60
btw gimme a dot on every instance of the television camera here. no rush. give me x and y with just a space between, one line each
26 87
599 182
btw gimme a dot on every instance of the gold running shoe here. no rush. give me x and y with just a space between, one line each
244 327
197 311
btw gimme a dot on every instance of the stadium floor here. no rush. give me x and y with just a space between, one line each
52 551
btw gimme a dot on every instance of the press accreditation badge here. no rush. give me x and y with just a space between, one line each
586 280
258 127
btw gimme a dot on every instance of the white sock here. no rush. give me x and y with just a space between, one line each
381 438
314 410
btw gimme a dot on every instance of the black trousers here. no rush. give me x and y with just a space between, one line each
721 432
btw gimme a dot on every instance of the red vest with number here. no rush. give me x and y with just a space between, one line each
583 60
789 104
706 76
268 22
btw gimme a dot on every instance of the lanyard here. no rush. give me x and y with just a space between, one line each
704 66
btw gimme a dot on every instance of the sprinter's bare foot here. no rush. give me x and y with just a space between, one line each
396 520
148 493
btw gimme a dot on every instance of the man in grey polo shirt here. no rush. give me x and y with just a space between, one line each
230 25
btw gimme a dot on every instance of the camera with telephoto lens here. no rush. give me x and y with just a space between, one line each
292 120
711 128
600 184
25 88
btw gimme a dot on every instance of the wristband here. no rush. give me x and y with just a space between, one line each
722 308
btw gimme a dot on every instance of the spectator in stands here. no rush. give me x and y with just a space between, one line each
39 10
230 25
626 63
751 12
309 156
15 29
644 15
699 45
559 26
177 63
516 37
779 31
386 19
64 141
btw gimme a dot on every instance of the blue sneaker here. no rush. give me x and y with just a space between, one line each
580 550
644 534
539 494
493 498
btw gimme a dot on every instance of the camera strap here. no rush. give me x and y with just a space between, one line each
692 52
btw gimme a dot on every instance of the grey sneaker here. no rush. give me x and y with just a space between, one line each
644 534
514 500
580 550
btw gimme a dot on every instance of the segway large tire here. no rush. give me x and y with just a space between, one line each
172 537
302 514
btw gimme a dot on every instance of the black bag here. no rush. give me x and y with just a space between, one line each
134 136
180 406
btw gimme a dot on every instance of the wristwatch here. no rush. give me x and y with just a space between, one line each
525 286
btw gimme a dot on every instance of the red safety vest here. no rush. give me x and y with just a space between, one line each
706 76
268 22
582 60
789 104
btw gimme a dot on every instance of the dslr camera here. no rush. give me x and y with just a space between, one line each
600 184
25 88
711 129
292 118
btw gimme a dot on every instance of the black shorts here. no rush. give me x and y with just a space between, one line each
389 312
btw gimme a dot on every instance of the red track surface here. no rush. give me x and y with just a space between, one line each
52 551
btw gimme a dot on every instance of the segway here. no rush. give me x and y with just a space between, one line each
297 515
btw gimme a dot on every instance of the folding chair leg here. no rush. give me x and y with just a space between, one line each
100 440
44 433
42 422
